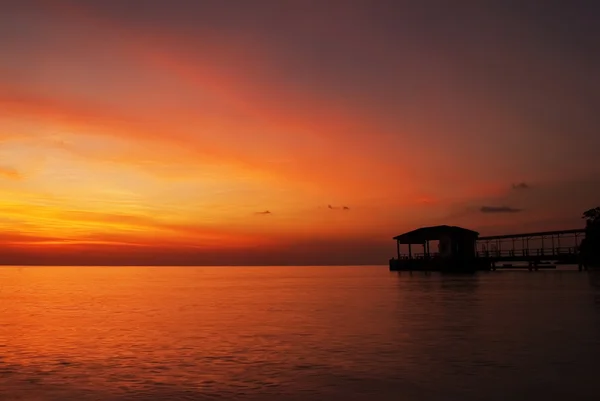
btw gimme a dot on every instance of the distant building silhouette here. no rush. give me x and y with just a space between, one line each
590 246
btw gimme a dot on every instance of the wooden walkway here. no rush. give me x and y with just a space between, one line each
535 249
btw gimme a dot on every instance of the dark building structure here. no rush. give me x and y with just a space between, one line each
456 249
462 250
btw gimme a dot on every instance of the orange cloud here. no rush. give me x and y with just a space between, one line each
255 116
155 142
165 143
10 172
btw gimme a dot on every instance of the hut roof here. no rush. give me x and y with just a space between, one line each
420 235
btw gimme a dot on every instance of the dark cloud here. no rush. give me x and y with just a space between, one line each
521 185
499 209
264 213
338 207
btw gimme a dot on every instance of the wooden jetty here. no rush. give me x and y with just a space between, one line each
536 249
462 250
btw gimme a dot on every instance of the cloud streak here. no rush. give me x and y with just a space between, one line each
499 209
10 172
521 186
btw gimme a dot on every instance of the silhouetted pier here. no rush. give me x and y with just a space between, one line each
460 249
536 249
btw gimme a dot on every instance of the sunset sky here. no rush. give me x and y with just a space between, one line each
297 132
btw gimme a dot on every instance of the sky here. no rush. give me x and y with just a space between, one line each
289 132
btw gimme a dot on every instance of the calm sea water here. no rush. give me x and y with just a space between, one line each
296 333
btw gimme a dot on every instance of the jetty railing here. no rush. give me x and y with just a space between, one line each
557 251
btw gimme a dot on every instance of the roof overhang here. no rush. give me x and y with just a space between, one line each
434 233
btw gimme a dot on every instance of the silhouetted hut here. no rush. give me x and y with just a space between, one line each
456 247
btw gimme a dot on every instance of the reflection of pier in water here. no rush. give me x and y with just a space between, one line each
459 248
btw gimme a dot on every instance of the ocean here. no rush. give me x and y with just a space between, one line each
297 333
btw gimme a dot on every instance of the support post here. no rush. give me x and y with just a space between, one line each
398 248
409 251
